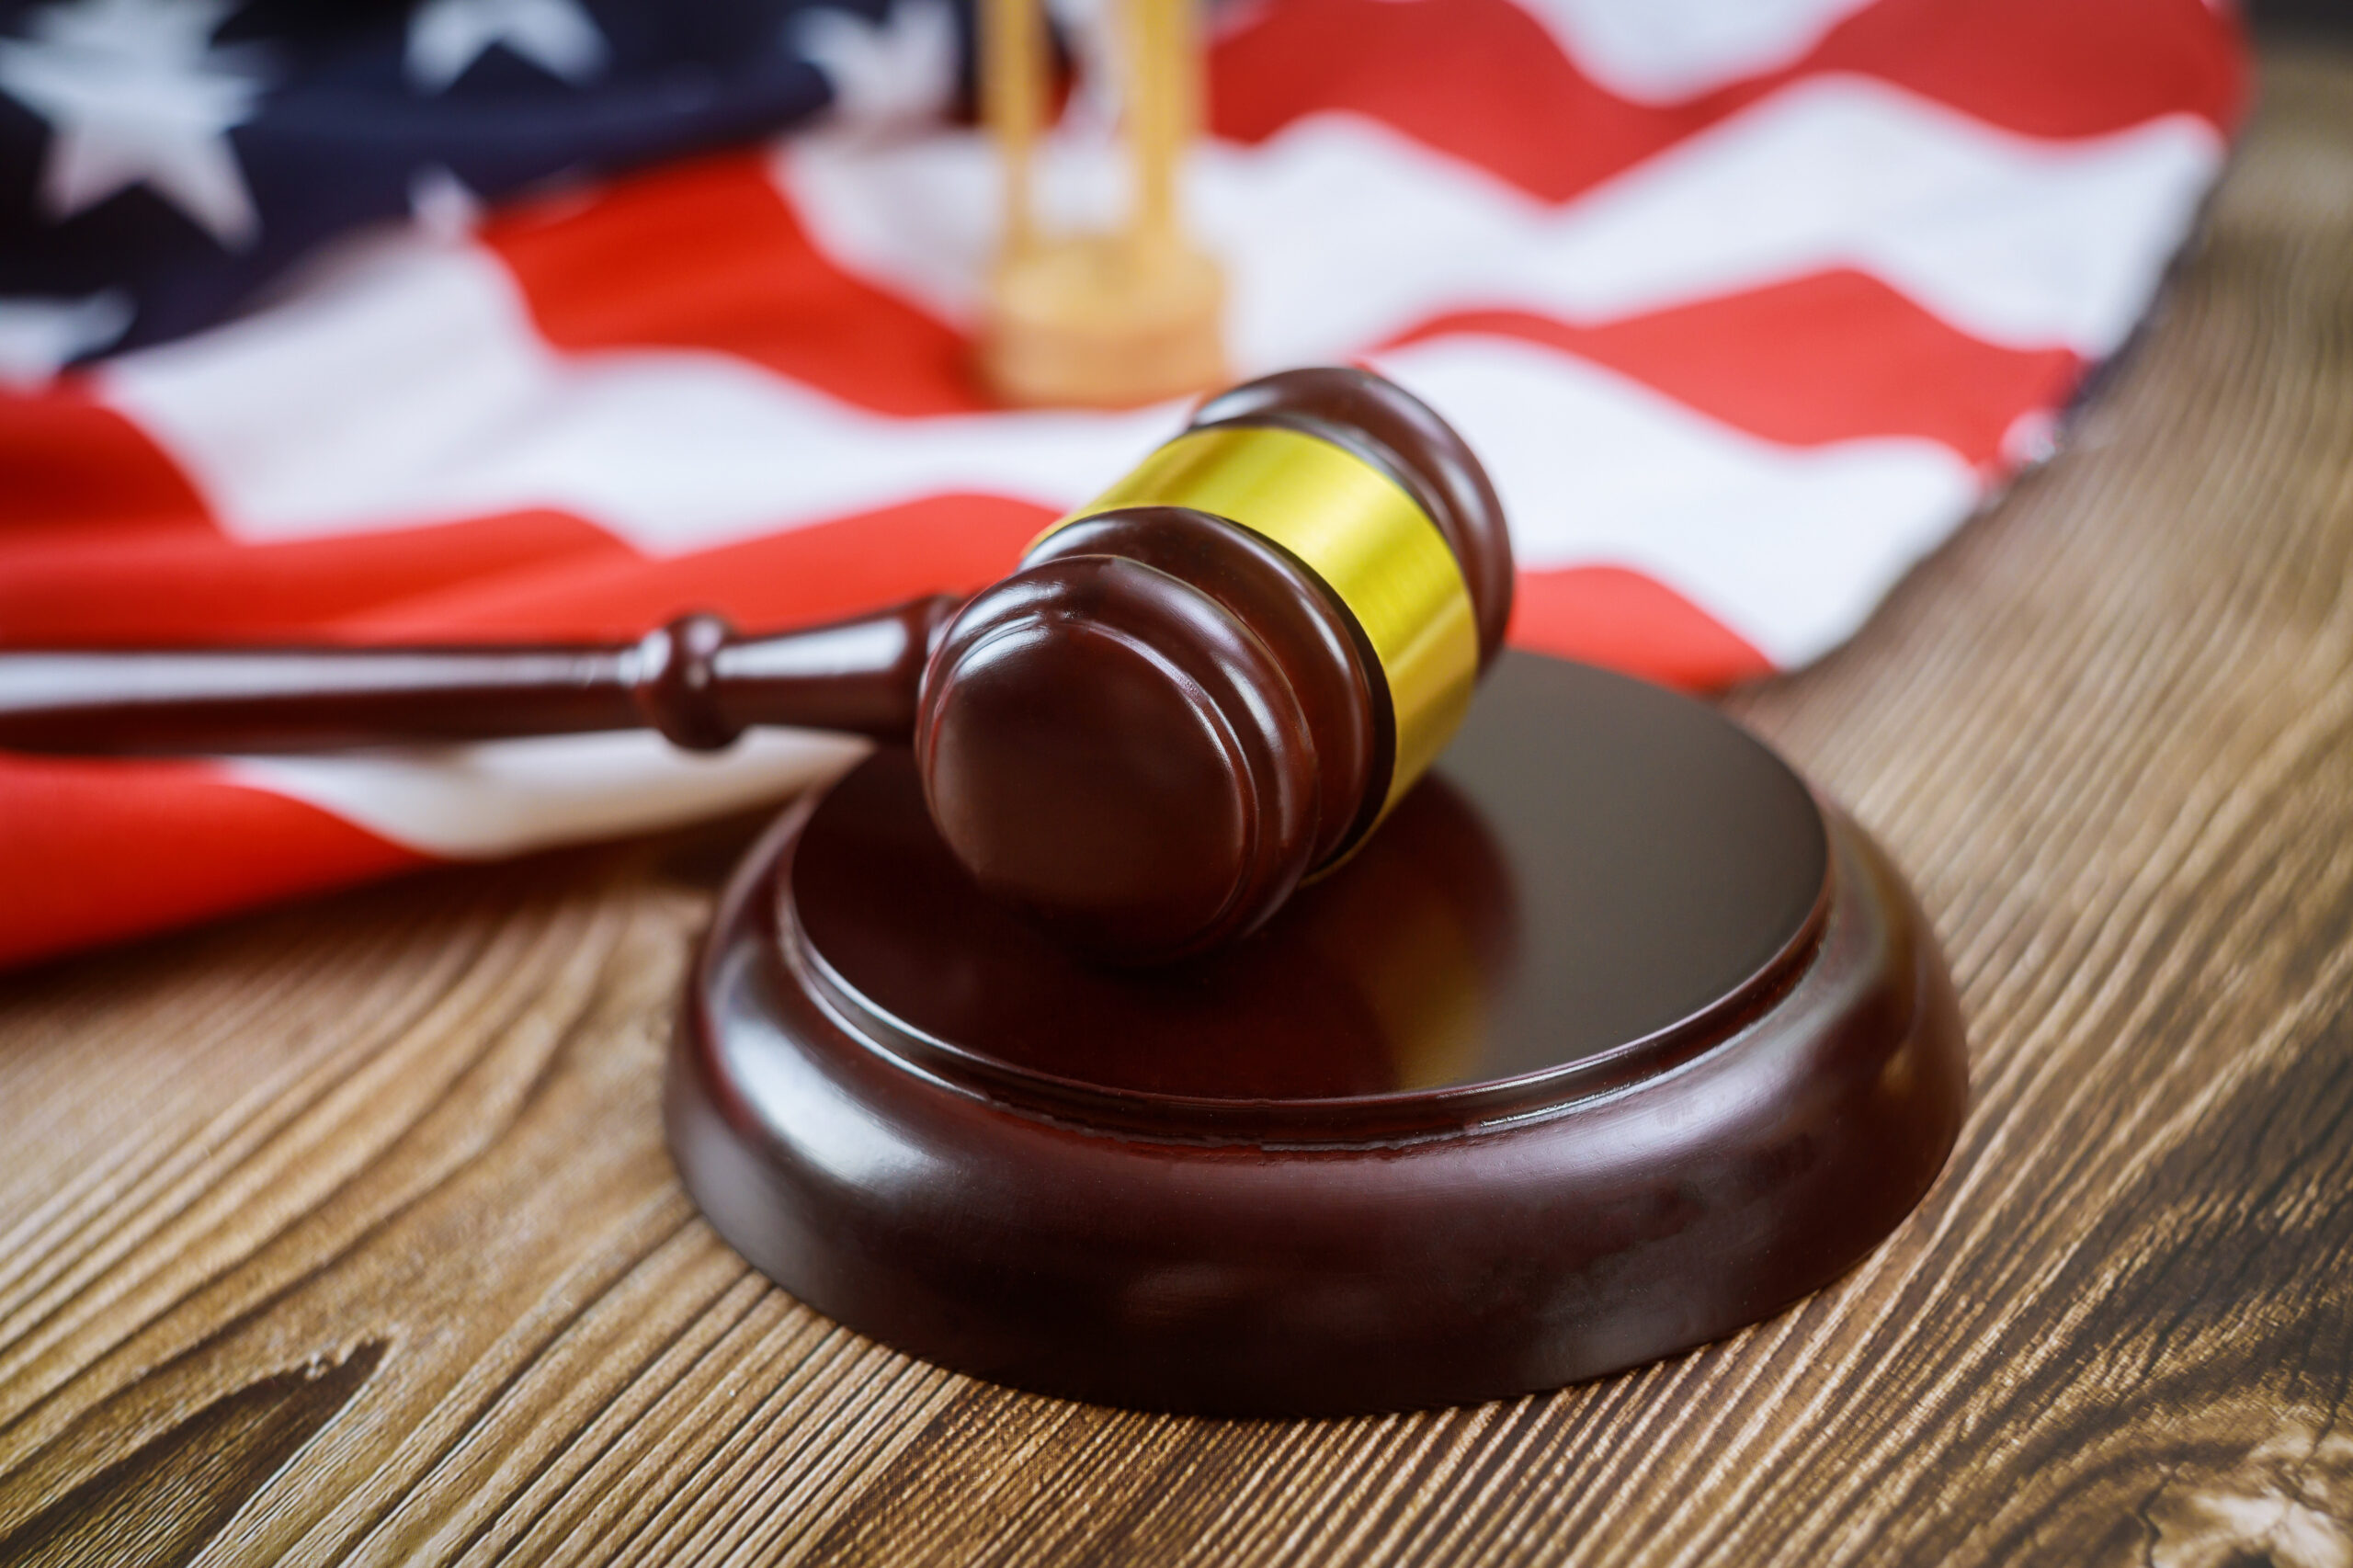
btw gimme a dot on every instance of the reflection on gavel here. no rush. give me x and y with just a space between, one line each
1202 687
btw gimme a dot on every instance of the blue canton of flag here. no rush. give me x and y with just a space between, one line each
161 160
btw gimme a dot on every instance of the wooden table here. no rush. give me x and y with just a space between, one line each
346 1232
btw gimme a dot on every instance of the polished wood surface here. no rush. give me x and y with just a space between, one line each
344 1232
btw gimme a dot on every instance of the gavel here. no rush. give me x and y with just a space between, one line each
1205 687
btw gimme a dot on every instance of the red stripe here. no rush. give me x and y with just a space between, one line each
709 254
516 575
2053 67
96 851
821 571
1608 615
178 588
69 465
1476 78
1831 357
1481 79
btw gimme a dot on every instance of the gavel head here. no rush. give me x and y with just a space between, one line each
1214 680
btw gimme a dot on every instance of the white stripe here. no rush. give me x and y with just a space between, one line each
1790 549
344 422
1340 232
411 388
2013 239
512 797
1660 51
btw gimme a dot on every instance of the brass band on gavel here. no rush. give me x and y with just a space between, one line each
1363 536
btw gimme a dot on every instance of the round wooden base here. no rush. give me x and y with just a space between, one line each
1609 1042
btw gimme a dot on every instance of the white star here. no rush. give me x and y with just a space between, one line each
446 37
135 94
898 71
38 338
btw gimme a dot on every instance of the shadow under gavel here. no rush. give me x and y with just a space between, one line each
1194 693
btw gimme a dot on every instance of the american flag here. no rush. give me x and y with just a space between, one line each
471 319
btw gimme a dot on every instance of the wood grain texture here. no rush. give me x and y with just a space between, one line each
345 1233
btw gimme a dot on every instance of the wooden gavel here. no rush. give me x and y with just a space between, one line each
1207 684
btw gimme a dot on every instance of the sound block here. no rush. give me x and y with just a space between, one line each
1612 1040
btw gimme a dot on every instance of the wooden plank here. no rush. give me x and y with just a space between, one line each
346 1233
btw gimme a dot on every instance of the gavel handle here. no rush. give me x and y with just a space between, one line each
694 680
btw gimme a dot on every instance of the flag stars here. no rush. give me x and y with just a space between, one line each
446 37
40 337
897 72
135 94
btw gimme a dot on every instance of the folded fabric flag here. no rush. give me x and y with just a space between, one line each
1746 303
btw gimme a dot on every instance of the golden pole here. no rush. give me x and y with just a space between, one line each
1161 84
1013 100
